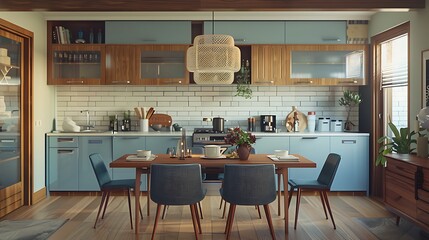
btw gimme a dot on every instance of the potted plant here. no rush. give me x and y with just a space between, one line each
242 140
400 142
349 100
243 81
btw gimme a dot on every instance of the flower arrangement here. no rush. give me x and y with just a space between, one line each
239 137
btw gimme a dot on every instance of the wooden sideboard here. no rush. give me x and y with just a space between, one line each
406 187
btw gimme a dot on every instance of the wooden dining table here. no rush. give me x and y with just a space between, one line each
143 167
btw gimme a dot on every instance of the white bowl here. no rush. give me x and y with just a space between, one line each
281 153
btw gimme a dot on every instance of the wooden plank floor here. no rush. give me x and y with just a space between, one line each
81 212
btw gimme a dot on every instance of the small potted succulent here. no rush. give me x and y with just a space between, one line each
242 140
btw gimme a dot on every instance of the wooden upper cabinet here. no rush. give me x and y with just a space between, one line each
162 65
333 64
74 64
121 65
269 65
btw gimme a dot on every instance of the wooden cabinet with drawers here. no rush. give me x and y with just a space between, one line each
406 187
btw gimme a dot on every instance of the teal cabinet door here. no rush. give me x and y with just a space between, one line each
353 171
87 146
316 32
128 145
62 163
148 32
159 145
249 32
315 149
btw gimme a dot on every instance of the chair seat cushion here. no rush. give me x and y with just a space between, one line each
310 184
119 184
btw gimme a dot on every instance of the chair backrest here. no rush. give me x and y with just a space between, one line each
176 184
250 184
100 169
329 169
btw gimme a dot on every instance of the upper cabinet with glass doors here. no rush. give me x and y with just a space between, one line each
343 64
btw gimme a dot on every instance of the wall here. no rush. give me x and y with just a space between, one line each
189 104
42 94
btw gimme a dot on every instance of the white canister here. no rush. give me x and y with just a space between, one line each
311 121
323 125
144 125
336 126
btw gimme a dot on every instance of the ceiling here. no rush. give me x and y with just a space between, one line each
208 5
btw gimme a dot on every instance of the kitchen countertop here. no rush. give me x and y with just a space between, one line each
189 133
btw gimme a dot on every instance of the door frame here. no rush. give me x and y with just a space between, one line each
377 180
26 107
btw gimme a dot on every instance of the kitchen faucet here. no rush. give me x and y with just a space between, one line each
88 125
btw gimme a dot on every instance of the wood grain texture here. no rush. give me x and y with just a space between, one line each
269 64
81 212
206 5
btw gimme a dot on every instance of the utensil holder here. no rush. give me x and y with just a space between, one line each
144 125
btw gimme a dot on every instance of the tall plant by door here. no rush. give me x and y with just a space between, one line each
349 100
400 142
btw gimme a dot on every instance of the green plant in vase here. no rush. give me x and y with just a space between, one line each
349 100
243 81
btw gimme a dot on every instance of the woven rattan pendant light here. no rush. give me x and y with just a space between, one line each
213 59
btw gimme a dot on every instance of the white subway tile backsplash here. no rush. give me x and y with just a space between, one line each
189 104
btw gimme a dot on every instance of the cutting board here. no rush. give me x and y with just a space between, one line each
159 118
302 121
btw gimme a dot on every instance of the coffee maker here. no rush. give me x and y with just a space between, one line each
268 123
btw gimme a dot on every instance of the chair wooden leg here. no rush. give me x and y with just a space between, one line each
103 197
325 195
164 212
270 222
201 210
221 201
290 196
140 208
398 218
194 217
198 219
224 210
105 204
231 220
227 220
298 201
129 207
158 211
279 194
323 203
259 211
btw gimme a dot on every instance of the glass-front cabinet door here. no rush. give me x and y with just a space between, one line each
11 54
76 65
328 64
163 64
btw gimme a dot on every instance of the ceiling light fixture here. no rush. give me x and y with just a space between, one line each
213 59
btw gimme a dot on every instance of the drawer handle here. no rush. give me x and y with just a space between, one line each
309 138
65 140
348 141
95 141
7 140
65 151
8 150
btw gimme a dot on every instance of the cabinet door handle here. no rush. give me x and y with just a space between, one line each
309 137
265 82
65 151
121 82
348 141
158 70
65 139
8 150
7 140
331 39
95 141
239 39
72 82
304 82
349 82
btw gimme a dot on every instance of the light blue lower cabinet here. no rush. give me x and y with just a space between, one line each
315 149
353 171
87 146
127 145
63 169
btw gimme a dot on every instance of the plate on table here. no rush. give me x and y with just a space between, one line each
220 157
289 158
135 158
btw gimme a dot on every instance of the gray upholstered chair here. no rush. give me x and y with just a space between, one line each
250 184
177 184
107 185
322 184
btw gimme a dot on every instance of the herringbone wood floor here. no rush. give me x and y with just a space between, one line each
81 212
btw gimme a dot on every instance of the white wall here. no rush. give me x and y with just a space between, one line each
419 41
43 95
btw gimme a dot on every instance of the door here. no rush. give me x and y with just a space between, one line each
390 90
11 163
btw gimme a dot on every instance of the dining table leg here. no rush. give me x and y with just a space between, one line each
284 172
139 172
